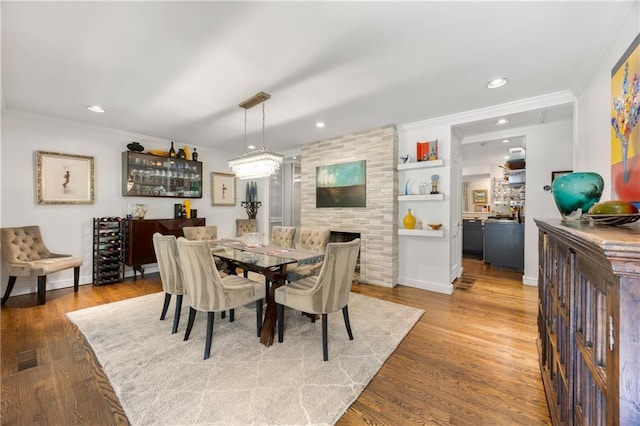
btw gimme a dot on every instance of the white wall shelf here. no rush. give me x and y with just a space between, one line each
422 232
421 164
426 197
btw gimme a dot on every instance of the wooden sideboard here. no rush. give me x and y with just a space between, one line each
140 238
589 322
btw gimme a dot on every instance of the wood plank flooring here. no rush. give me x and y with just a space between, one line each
470 360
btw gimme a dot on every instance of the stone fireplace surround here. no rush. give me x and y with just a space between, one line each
377 223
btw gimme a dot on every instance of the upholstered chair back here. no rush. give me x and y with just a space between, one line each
168 263
195 233
206 291
25 253
314 239
244 226
329 291
283 236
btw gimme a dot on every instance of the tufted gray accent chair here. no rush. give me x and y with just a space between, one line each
283 236
311 239
323 294
244 226
194 233
25 254
166 251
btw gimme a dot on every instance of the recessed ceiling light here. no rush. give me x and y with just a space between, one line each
497 82
501 122
320 124
505 141
251 147
95 108
294 157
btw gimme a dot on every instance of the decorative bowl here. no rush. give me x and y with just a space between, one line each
575 193
434 226
135 146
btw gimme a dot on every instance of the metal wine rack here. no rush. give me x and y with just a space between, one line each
109 242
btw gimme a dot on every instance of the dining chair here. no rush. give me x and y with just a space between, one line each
166 251
200 232
283 236
325 293
208 292
244 226
25 254
311 239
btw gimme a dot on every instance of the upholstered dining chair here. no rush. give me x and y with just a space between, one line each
311 239
325 293
170 274
208 292
244 226
200 232
25 254
283 236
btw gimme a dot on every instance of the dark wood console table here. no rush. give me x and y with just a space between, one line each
140 238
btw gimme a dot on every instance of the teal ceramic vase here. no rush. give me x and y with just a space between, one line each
575 193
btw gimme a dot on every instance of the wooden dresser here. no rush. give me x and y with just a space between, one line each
140 238
589 322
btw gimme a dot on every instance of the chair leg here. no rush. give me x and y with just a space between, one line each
76 279
192 317
207 345
165 307
266 288
345 314
7 292
259 304
280 323
42 289
232 315
176 318
223 314
325 345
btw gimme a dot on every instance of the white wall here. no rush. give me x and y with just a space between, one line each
593 135
68 228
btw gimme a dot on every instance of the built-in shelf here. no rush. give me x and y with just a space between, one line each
422 232
421 165
426 197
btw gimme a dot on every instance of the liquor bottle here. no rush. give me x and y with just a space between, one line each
194 156
172 151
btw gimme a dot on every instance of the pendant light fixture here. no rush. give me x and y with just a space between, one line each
259 163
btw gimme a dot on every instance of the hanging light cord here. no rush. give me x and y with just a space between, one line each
263 126
245 131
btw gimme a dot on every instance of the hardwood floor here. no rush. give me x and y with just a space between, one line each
470 360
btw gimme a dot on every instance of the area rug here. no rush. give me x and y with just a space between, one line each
162 380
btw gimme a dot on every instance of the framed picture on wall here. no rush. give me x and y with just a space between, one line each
223 189
479 196
64 178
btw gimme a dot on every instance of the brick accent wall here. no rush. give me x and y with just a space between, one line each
378 221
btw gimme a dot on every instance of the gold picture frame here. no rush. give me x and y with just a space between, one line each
479 196
64 178
223 189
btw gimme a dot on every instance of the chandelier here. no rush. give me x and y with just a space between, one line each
259 163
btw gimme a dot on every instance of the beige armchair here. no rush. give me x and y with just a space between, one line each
25 254
208 292
170 274
311 239
244 226
283 236
198 233
324 294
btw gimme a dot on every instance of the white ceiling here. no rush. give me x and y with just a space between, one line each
179 70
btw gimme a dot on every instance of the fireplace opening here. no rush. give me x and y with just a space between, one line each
343 237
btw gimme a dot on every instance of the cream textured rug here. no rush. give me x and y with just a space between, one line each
163 380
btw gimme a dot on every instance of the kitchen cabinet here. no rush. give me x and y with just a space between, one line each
473 237
504 244
588 322
146 175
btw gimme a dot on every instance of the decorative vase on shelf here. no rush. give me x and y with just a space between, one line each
409 221
575 193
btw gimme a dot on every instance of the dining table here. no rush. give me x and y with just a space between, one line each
269 261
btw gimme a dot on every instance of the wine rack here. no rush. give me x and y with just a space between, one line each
109 242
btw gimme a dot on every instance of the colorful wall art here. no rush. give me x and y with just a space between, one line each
341 185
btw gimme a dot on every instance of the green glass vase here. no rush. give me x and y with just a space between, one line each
575 193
